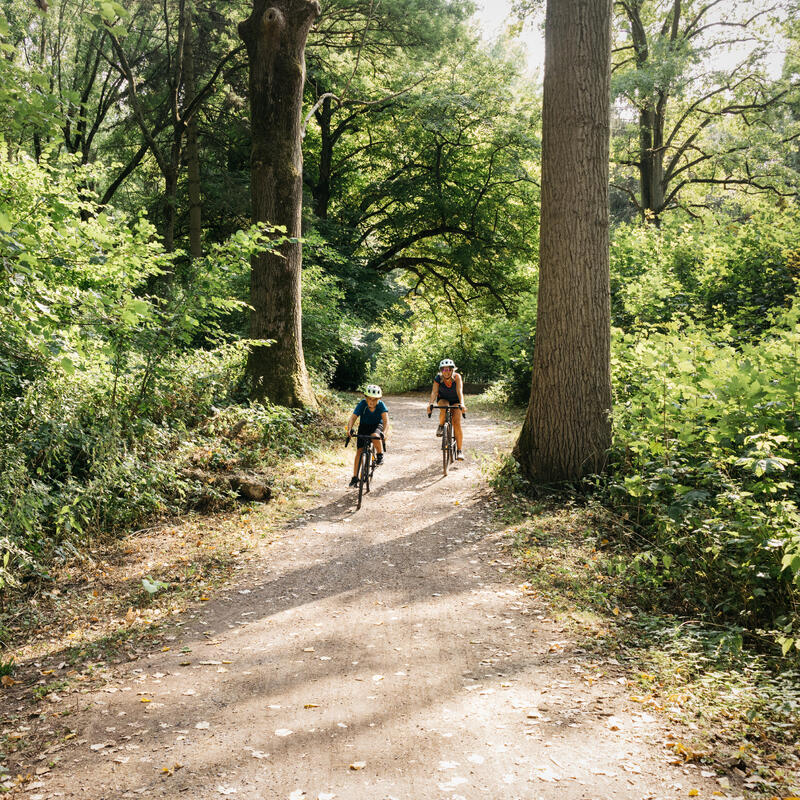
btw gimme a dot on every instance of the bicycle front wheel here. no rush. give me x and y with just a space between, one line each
363 482
447 435
363 476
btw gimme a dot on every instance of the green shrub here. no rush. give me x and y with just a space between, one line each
707 440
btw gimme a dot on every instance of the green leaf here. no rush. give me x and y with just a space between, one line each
5 222
152 586
107 12
67 365
791 561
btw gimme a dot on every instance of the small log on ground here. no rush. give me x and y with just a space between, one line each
248 487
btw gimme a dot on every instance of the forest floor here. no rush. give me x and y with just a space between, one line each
307 650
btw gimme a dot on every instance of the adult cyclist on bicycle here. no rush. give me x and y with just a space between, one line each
374 420
449 388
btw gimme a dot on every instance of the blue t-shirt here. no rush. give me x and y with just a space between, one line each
370 417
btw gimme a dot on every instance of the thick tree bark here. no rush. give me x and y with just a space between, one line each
275 36
567 430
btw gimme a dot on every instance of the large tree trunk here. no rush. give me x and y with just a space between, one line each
275 35
192 147
567 430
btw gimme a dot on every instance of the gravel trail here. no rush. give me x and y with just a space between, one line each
384 653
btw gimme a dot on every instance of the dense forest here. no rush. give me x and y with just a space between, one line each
127 243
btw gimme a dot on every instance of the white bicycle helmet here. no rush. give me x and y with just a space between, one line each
373 391
447 362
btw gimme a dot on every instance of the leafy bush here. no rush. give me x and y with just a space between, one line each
107 388
717 271
707 439
487 347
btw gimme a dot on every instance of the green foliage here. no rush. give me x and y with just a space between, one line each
721 270
105 386
707 439
488 347
153 586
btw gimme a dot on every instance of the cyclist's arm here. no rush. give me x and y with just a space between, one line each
350 423
434 393
460 390
385 421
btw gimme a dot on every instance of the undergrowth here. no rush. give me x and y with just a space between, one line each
729 687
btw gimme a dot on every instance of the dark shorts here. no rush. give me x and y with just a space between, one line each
366 430
439 399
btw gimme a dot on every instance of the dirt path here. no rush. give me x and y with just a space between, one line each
383 654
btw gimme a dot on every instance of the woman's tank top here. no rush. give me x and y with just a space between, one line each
447 392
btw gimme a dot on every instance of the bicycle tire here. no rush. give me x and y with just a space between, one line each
446 436
362 478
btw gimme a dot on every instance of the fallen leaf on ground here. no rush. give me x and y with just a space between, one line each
356 765
544 773
311 705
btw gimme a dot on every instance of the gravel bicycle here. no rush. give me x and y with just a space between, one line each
449 446
369 458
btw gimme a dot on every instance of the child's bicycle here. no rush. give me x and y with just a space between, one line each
449 446
368 459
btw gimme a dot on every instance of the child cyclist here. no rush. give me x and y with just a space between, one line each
448 389
374 419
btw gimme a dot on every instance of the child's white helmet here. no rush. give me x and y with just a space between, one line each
447 362
373 391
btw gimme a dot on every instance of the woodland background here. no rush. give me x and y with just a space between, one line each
125 240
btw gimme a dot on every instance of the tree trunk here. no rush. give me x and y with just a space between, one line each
192 147
651 163
567 430
171 195
275 37
322 191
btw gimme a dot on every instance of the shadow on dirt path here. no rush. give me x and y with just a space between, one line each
387 653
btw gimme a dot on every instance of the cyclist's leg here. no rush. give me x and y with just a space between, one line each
357 461
439 402
459 433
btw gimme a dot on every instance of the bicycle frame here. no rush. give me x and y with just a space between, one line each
449 444
366 443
